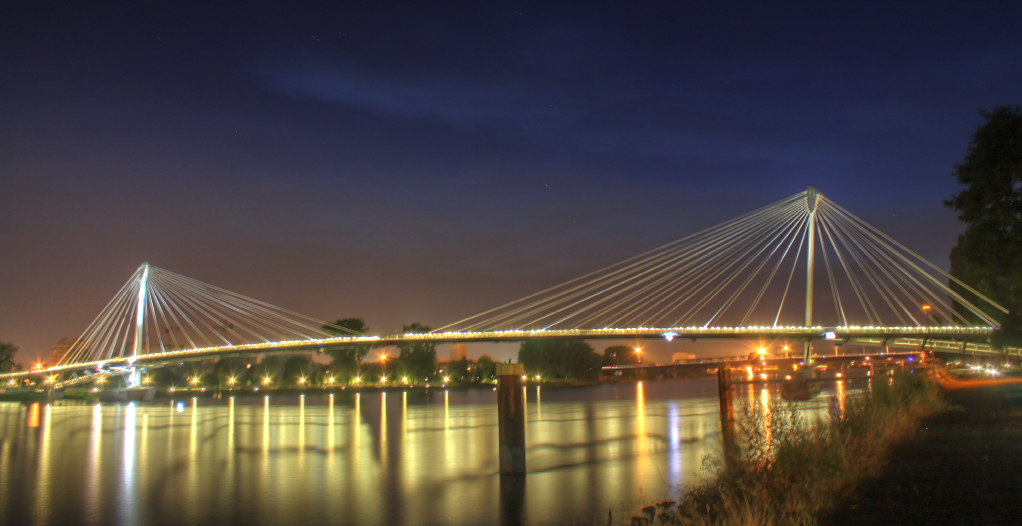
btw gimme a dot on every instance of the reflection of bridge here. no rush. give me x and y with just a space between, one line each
745 278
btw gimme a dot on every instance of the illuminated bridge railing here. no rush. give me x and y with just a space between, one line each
930 338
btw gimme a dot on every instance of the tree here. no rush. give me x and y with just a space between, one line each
457 370
268 369
485 368
988 255
620 355
7 352
228 369
417 360
567 359
347 359
296 368
166 377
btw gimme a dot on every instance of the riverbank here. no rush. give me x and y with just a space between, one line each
963 466
785 470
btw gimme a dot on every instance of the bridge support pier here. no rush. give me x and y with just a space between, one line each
511 418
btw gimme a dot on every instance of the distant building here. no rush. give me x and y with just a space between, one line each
59 350
459 351
682 357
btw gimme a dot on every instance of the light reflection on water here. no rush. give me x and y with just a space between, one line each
373 458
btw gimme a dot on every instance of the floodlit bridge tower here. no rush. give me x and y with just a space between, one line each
812 197
135 374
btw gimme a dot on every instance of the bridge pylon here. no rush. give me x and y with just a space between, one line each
140 317
812 197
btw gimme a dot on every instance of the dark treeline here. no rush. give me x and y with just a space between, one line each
988 255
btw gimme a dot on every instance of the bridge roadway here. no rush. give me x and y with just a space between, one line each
964 340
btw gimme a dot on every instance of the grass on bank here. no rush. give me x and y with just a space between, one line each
785 470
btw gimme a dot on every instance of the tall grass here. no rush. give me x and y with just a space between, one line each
784 469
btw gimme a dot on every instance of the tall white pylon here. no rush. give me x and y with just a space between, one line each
812 196
140 316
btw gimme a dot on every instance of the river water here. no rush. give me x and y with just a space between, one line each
391 458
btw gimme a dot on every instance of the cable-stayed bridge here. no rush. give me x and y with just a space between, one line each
800 269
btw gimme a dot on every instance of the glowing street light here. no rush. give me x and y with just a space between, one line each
266 380
301 380
358 379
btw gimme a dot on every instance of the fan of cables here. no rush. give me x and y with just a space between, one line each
755 271
180 313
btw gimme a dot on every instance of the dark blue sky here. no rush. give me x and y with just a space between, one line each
423 163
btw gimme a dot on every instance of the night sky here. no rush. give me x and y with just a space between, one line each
424 163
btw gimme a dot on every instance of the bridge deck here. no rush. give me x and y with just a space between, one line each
937 338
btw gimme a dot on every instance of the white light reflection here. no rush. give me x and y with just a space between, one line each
93 487
539 405
641 432
674 439
128 485
330 427
301 431
43 508
383 430
231 447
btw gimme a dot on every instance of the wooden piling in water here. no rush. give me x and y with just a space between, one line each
511 418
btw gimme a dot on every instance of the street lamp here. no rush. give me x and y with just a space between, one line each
638 351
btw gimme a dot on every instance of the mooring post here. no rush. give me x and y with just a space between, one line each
511 418
727 414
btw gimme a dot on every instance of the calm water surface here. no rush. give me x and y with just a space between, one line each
390 458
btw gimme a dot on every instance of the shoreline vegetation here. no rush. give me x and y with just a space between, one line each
786 469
